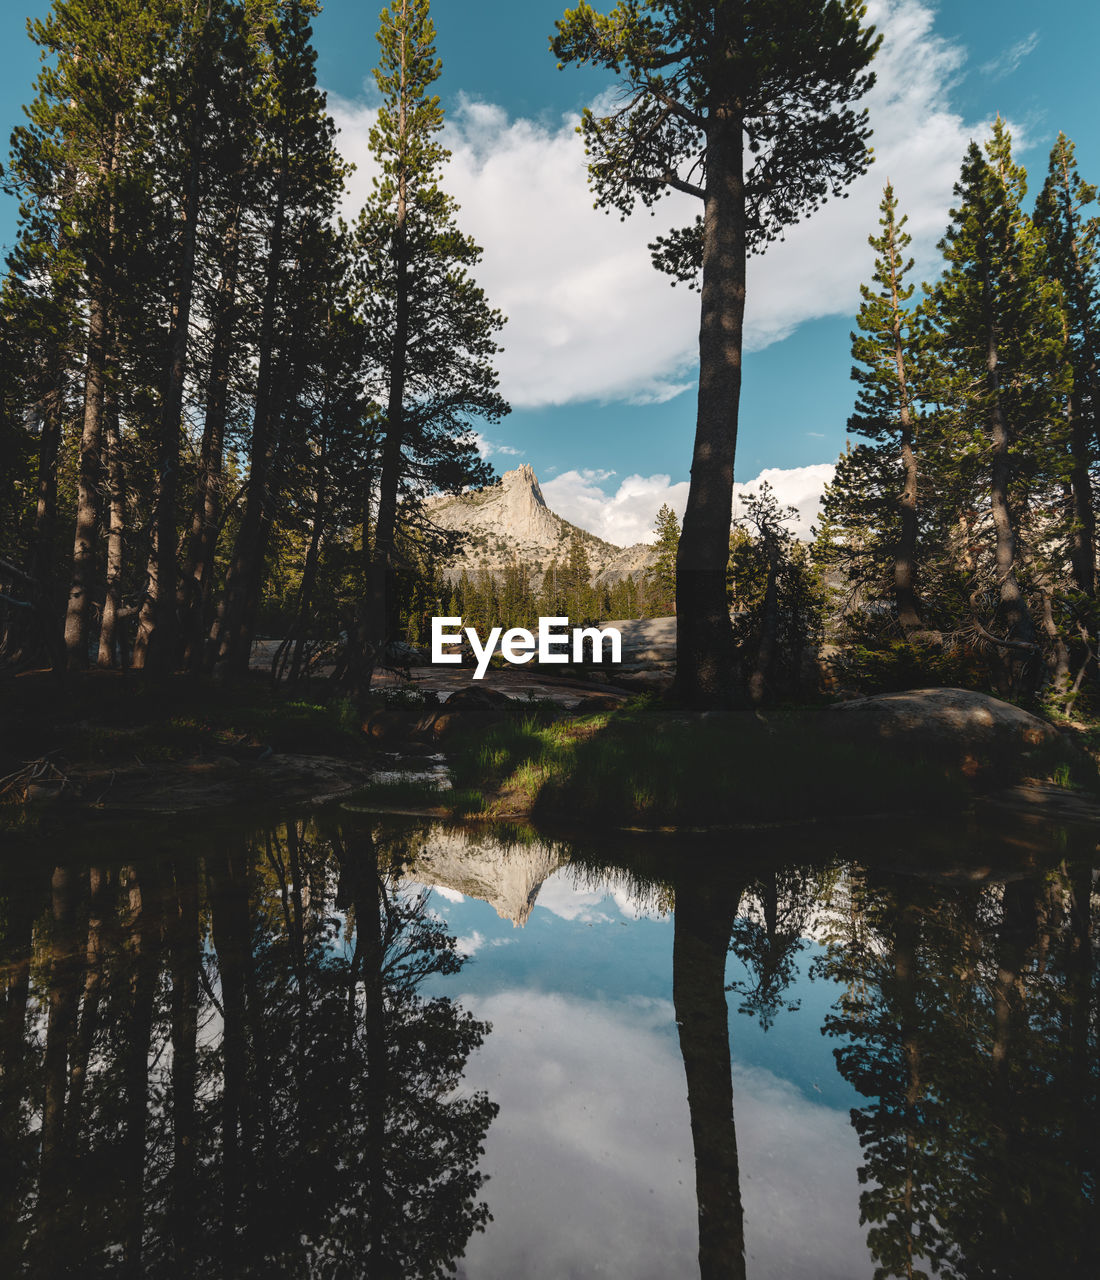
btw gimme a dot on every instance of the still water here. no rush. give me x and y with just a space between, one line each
346 1046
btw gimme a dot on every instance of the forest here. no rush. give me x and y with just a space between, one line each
223 408
217 397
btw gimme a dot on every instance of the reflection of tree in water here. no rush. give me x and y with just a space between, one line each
767 937
969 1022
235 1073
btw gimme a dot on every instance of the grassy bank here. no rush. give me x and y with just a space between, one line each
647 767
109 717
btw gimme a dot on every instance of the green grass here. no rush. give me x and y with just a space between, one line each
645 767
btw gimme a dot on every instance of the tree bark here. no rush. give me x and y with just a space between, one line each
1021 628
704 634
905 594
234 643
116 530
206 506
87 506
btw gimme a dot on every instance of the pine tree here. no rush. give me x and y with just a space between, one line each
433 329
999 343
702 79
887 352
303 178
79 162
662 575
1073 259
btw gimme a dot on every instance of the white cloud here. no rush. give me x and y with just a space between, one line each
622 518
589 318
1009 61
919 145
562 1130
489 448
626 516
798 487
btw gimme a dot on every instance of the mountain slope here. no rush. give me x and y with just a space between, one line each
511 520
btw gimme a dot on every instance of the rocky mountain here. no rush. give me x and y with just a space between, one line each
511 520
507 876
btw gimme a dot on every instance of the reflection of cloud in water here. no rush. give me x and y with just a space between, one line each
591 1157
451 895
471 943
562 896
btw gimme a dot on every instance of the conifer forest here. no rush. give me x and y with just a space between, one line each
410 868
222 407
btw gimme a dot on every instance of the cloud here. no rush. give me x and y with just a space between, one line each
489 448
798 487
919 146
1007 62
623 517
589 318
626 516
561 1131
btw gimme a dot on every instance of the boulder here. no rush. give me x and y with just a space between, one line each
973 734
399 653
466 709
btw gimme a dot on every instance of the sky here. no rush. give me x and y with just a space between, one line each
603 1010
599 360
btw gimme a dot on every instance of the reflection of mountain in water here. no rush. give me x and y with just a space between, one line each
506 876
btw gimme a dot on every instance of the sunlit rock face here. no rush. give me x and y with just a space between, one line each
511 520
506 876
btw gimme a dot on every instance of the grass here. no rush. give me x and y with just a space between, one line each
106 717
649 768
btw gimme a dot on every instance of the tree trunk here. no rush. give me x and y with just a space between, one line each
206 507
703 922
243 583
704 635
95 959
158 629
91 436
87 513
905 594
1021 628
232 941
185 959
309 578
368 919
374 627
769 628
63 970
145 909
116 529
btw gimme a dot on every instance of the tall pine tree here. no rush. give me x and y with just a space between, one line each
706 82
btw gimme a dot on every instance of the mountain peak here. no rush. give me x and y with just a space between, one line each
510 521
523 478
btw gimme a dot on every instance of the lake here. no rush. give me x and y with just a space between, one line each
341 1044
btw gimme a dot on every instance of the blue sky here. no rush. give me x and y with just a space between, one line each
582 994
599 360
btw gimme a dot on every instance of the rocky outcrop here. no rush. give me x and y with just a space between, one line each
972 733
506 876
511 520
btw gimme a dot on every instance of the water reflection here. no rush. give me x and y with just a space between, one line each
968 1021
821 1060
226 1066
